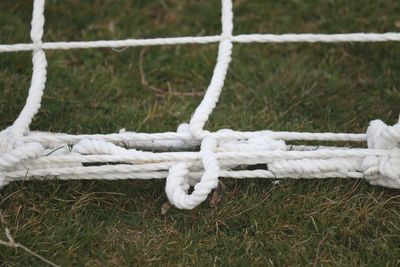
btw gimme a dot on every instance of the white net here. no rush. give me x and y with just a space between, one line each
26 154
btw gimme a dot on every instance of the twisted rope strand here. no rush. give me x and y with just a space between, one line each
242 38
25 154
38 80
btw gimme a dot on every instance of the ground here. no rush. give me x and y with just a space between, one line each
296 87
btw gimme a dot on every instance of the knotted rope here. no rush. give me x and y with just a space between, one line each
383 170
176 156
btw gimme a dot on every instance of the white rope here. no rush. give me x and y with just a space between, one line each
224 153
186 137
242 38
38 81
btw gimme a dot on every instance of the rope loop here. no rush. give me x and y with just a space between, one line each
177 185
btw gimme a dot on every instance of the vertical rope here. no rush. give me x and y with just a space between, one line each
177 183
203 111
33 101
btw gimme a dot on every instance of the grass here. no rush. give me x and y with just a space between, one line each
297 87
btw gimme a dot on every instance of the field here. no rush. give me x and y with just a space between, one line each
294 87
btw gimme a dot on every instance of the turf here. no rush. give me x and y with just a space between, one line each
297 87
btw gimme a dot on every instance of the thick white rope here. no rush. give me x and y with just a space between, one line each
226 153
186 137
34 99
12 154
210 99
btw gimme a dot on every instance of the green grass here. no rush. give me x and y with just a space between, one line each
297 87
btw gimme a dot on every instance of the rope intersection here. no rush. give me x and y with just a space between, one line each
26 154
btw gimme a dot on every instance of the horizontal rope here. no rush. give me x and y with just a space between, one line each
265 156
46 137
242 38
103 174
119 172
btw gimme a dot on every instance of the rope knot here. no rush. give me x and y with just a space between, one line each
259 142
383 170
177 185
13 157
99 147
382 136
